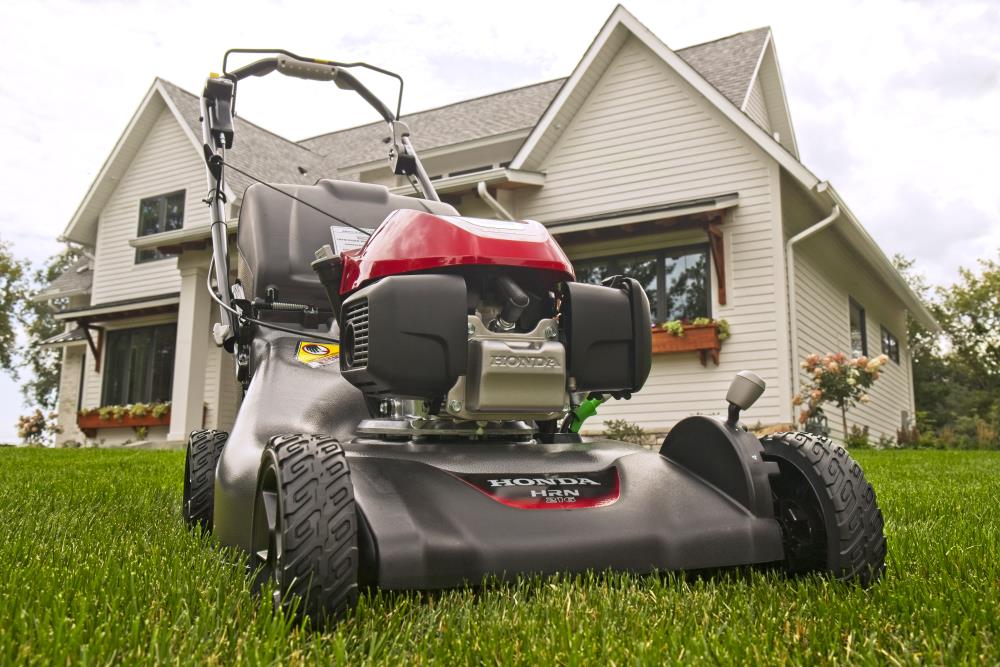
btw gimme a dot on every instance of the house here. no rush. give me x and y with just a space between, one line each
678 167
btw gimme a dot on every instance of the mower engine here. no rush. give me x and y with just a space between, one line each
463 326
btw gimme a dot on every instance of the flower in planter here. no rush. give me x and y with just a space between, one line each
676 327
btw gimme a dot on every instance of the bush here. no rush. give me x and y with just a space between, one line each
37 428
620 429
858 438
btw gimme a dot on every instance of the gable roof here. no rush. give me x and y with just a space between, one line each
620 26
262 153
268 156
728 63
490 115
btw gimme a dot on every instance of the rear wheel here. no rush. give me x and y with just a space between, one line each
304 535
829 517
203 451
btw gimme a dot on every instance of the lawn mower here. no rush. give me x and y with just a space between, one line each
415 381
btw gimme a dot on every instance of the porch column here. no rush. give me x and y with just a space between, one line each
191 353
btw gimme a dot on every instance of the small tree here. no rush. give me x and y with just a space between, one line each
838 379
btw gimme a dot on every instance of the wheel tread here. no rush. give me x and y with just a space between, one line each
861 544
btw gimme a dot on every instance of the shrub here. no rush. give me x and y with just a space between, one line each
858 438
37 428
620 429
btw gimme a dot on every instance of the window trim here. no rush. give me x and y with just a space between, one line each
139 258
661 254
853 303
106 360
895 340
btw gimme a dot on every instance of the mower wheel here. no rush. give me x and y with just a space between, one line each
203 451
829 517
304 532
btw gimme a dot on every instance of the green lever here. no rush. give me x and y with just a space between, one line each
586 409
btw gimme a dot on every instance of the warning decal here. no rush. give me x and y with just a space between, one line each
317 355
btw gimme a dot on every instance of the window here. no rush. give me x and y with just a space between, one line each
675 279
859 332
163 213
890 346
139 365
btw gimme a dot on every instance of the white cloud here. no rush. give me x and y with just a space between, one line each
894 102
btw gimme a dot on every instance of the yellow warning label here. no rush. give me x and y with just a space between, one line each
317 355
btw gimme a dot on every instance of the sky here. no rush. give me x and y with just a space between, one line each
897 103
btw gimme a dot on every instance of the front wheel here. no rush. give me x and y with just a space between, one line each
203 451
304 534
830 520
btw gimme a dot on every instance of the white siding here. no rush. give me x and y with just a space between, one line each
826 276
756 107
166 162
644 137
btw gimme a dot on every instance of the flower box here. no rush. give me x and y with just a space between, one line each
700 338
91 422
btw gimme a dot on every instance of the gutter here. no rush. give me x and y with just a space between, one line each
790 279
497 208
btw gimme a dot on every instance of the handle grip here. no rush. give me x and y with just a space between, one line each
304 69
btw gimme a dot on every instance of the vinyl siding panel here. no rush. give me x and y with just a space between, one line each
643 137
756 107
826 276
166 162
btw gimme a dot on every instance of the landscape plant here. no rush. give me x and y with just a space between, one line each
838 379
37 428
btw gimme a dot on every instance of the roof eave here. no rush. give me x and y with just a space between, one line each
873 254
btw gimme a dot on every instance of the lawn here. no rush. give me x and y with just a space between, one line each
96 568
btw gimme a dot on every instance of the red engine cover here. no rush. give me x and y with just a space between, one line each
409 241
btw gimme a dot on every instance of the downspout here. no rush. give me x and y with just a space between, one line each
790 279
485 195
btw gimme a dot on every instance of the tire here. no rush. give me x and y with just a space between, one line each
829 516
304 532
203 451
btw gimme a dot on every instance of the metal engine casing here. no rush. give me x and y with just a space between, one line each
511 375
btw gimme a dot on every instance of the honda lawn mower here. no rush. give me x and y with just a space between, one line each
415 382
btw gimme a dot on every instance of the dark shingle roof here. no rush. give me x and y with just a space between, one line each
486 116
727 63
77 279
266 155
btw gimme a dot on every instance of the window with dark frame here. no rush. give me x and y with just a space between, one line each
676 280
139 365
162 213
890 345
859 330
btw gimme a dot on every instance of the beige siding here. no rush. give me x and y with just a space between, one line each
166 162
826 276
644 137
756 107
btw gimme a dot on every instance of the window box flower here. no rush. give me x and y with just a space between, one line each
703 336
137 416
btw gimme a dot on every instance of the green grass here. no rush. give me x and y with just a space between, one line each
96 568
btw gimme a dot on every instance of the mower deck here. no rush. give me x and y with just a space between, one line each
446 514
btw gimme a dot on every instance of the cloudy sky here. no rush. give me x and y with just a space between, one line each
896 103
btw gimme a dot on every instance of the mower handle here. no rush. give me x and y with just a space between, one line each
314 70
